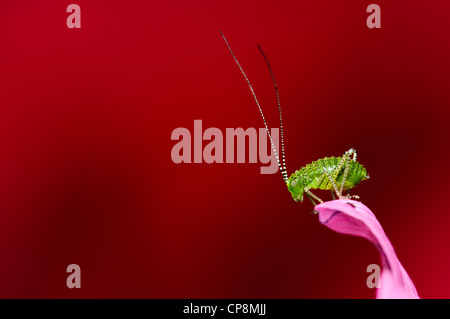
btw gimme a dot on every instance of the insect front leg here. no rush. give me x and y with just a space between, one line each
311 196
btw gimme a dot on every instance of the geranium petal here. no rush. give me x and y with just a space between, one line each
354 218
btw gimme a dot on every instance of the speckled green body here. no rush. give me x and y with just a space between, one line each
311 176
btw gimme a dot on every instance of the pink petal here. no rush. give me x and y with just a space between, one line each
354 218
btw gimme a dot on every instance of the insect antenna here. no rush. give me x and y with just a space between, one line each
283 171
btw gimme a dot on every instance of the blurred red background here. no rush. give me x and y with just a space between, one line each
86 175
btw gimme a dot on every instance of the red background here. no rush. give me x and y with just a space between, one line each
86 175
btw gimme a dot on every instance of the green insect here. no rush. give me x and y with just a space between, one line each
337 174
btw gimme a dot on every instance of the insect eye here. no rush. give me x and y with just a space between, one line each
293 183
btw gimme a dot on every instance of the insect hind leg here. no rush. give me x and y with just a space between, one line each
333 182
348 196
354 155
344 177
346 159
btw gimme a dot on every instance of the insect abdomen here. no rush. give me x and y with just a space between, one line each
311 174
